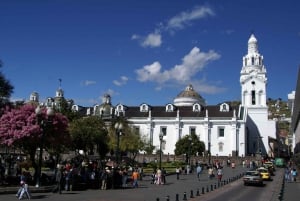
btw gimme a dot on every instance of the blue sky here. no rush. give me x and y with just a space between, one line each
145 51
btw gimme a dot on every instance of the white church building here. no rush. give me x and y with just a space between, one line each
226 130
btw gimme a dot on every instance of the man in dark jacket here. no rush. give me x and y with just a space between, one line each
58 179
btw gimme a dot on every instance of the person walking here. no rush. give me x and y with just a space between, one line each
135 177
58 179
158 177
210 172
163 176
294 174
219 174
23 191
177 172
103 178
198 170
124 178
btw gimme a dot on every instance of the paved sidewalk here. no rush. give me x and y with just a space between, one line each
188 186
290 190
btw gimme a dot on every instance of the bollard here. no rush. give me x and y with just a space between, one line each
211 187
177 197
207 189
215 186
192 194
198 193
167 198
203 191
157 199
184 196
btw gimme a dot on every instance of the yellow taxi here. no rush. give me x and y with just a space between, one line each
264 173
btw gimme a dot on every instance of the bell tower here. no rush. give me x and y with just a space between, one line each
253 77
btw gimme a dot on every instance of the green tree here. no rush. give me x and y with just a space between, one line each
6 89
89 133
148 146
130 141
65 107
189 145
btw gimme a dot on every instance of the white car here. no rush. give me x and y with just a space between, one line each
253 178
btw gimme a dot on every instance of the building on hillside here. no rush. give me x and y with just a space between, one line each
226 130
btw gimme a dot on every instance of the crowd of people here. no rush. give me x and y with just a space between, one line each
91 175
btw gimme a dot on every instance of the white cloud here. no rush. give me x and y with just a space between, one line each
204 87
180 21
150 73
192 63
152 40
184 18
111 92
123 80
88 82
135 36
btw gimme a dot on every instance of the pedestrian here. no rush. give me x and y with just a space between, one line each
135 177
286 174
124 178
177 172
23 191
233 165
210 172
153 177
103 178
58 179
68 179
294 174
158 177
140 171
219 174
198 170
163 175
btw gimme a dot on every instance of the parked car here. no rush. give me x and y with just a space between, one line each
253 178
265 174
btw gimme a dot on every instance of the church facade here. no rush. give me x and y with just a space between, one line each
225 129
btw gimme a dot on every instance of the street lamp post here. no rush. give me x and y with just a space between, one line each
118 129
161 136
209 146
43 125
189 150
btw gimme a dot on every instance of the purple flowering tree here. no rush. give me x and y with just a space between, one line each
20 128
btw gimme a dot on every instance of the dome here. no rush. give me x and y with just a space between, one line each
188 97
